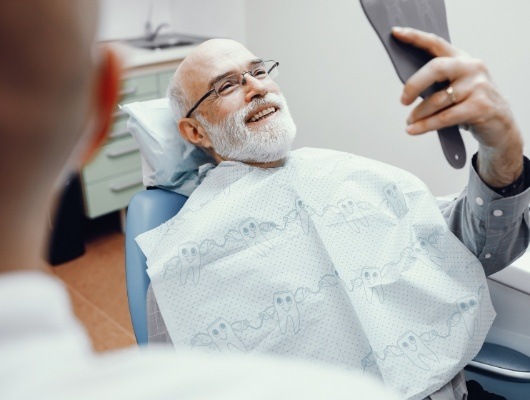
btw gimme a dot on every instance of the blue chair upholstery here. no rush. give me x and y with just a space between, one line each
501 370
147 209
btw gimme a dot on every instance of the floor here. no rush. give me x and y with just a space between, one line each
96 282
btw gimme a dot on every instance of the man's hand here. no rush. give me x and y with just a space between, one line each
475 103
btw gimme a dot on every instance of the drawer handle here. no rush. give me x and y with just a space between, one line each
119 134
119 114
120 187
123 151
128 91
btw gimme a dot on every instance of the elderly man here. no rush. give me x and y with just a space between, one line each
233 109
57 96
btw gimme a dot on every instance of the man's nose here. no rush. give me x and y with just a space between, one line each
254 88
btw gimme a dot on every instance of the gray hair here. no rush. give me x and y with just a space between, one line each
178 100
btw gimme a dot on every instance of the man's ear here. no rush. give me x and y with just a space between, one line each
108 86
192 131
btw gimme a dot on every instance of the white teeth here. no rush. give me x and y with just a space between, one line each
262 114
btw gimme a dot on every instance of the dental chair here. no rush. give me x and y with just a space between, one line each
499 367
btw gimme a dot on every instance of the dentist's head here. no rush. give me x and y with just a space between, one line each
231 105
57 93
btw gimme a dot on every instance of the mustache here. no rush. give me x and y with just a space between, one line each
250 108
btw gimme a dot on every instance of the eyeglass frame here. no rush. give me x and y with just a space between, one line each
275 64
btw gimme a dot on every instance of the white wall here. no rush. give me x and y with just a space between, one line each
210 18
120 19
344 93
340 84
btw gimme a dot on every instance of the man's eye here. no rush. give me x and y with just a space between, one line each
226 87
260 72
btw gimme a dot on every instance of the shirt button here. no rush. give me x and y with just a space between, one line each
498 213
479 201
487 255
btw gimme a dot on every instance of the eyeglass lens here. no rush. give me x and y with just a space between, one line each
266 69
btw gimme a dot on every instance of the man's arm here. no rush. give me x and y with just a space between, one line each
491 216
494 227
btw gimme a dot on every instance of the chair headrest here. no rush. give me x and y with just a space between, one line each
168 161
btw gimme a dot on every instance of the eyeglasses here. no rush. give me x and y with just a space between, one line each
229 84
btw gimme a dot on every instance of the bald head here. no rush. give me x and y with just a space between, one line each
210 55
51 86
46 62
46 80
193 76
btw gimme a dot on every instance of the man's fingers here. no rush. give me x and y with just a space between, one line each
440 100
429 42
455 115
443 67
439 69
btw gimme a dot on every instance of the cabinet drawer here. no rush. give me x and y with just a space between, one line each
133 88
119 128
112 194
163 82
117 157
119 125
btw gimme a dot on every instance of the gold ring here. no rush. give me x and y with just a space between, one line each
451 93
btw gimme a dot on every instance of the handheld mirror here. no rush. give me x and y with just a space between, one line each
428 16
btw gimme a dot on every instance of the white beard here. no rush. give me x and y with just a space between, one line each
269 142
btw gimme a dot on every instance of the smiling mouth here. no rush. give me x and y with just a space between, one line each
263 114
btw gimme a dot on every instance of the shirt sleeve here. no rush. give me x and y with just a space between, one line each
493 227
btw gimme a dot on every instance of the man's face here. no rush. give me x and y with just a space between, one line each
267 140
250 124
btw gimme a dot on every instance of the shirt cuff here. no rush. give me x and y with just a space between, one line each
496 211
518 186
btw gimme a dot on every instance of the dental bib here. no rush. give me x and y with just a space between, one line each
332 258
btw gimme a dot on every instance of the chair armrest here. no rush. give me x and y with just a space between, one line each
502 363
147 210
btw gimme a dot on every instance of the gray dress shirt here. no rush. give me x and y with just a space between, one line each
496 229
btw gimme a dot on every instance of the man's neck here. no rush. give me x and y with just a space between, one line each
273 164
21 246
25 225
